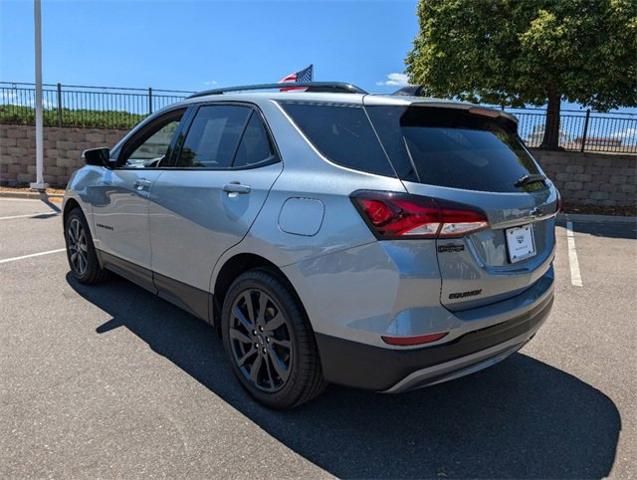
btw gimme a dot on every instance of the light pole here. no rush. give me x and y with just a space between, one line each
39 134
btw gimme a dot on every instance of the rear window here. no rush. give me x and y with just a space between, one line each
453 148
342 133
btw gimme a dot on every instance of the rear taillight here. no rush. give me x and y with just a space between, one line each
399 215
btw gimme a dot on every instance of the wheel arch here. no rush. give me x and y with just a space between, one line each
69 205
235 266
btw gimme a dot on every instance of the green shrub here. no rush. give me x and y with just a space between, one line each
18 115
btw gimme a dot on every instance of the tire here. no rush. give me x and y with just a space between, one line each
279 335
80 250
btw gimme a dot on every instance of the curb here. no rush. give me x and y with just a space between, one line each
30 195
580 217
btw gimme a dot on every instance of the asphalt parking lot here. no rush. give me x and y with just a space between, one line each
110 381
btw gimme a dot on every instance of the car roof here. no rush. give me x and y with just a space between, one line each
334 93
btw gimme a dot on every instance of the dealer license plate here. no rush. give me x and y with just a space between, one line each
520 243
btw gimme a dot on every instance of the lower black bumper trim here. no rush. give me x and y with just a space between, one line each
374 368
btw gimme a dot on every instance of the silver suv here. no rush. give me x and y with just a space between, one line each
329 235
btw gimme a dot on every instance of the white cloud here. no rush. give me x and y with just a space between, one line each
9 96
625 134
395 80
12 98
210 83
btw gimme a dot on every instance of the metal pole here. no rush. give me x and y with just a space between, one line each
39 134
59 105
150 100
588 115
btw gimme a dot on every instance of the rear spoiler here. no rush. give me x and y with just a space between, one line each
474 109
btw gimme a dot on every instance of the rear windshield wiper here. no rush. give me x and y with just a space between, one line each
529 178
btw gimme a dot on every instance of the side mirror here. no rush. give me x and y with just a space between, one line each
97 156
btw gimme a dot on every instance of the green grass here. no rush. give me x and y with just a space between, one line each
17 115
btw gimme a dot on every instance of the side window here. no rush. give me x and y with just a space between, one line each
213 137
342 133
152 146
255 146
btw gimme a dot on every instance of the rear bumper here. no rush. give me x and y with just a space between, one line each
393 370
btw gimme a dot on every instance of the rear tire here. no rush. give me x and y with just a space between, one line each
270 342
80 250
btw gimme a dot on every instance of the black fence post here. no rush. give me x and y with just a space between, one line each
59 104
588 115
150 100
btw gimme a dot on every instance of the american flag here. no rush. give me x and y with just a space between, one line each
302 76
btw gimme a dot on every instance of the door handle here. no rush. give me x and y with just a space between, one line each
236 187
142 184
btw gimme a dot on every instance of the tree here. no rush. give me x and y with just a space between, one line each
538 52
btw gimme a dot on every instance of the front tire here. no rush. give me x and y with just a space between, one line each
270 341
80 250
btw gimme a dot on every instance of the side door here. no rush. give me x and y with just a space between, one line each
205 202
120 209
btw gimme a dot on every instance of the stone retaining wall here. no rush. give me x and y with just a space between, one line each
592 178
583 178
63 149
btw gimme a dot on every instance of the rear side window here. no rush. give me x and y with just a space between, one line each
255 147
453 148
213 137
342 133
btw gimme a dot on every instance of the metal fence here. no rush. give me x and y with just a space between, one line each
581 130
82 106
108 107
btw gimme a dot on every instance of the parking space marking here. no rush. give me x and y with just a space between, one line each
576 277
9 199
15 259
31 215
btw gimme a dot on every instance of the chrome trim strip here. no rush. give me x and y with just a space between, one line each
462 366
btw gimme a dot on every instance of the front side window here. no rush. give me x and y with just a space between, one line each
152 146
213 137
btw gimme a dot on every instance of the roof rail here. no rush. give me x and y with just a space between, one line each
325 87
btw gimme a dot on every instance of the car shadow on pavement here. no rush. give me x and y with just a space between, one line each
519 419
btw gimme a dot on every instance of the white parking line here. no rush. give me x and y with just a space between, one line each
31 215
576 277
15 259
10 199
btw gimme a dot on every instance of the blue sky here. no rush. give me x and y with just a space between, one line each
192 45
200 44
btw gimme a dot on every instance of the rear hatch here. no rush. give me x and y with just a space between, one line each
473 157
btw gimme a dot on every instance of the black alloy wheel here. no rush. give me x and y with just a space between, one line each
260 340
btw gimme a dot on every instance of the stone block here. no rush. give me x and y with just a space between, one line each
582 177
95 137
573 185
617 179
574 169
16 132
25 177
64 145
599 195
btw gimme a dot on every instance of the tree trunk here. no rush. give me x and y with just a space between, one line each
551 140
